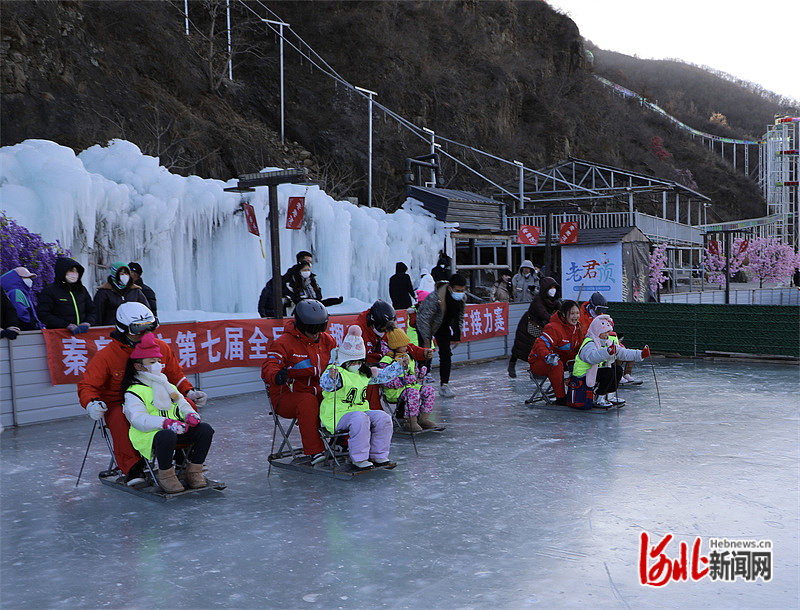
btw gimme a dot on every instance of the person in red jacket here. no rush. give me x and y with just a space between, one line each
291 371
558 344
100 388
374 323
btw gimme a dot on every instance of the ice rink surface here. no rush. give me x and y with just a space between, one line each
511 507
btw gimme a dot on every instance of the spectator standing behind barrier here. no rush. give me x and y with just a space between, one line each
426 285
502 291
118 289
530 326
136 276
66 303
441 271
18 312
401 290
305 257
525 283
441 316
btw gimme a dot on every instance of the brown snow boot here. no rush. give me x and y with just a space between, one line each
425 421
194 476
412 425
169 481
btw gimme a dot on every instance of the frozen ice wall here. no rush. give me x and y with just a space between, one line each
112 203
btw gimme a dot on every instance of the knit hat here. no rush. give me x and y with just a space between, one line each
601 324
146 348
352 347
397 338
23 272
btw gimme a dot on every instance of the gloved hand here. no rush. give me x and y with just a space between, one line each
197 396
281 376
645 352
428 353
551 359
178 427
96 408
192 419
9 333
73 328
374 370
82 328
421 372
612 349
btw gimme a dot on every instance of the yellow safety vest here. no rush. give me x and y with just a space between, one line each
393 394
352 396
143 441
580 368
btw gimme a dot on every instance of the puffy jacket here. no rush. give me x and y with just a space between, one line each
306 360
431 312
108 297
525 287
501 292
150 295
544 306
559 338
103 376
18 304
586 318
62 303
372 342
401 290
265 307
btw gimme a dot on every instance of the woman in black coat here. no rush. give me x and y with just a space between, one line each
401 290
66 303
118 289
543 306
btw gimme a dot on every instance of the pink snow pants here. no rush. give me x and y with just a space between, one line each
370 434
418 400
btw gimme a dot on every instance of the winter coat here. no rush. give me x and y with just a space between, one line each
150 295
372 342
558 337
297 289
501 292
544 306
17 303
431 314
590 354
306 360
439 273
525 287
265 308
104 372
401 290
108 298
586 318
62 303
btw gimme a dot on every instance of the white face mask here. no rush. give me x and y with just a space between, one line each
123 279
552 292
155 368
72 277
305 274
353 367
28 282
526 273
459 296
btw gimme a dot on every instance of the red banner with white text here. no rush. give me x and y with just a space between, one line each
219 344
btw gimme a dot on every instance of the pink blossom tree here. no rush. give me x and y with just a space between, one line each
714 260
658 261
770 260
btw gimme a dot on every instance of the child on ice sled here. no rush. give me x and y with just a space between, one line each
409 385
595 373
345 406
160 418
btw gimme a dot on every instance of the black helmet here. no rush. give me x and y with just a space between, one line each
380 315
310 316
598 304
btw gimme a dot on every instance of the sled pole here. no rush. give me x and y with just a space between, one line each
91 436
579 294
274 429
658 394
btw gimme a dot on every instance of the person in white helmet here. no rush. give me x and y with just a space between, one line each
100 388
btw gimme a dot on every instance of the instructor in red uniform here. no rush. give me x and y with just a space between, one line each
100 389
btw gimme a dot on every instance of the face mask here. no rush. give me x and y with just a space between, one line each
353 367
459 296
380 333
124 279
552 292
155 368
72 277
305 274
28 282
526 274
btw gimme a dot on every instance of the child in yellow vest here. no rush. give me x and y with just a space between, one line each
409 386
160 418
345 406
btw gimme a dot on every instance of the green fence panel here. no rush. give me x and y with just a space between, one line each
691 329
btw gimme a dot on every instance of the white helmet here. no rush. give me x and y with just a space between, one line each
135 318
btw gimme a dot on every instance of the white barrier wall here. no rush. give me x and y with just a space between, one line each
27 397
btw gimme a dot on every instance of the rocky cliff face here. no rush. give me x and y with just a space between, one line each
506 77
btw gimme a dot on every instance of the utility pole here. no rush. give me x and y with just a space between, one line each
370 95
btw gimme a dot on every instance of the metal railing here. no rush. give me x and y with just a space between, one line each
753 296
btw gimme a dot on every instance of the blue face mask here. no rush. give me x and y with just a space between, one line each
458 296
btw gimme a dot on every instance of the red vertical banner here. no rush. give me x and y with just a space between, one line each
528 234
294 215
568 233
250 217
742 246
713 246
